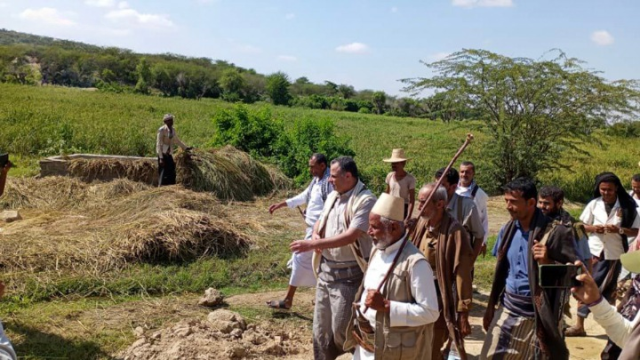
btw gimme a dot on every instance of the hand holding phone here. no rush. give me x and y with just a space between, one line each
559 276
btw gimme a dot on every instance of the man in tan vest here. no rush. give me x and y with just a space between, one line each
341 250
448 250
399 320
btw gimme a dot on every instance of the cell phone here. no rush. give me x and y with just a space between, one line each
4 159
559 276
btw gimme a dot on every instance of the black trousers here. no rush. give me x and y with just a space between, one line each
167 171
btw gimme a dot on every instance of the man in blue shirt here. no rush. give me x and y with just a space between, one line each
523 320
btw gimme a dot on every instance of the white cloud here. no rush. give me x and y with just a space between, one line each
288 58
290 16
206 1
123 5
100 3
353 48
46 15
602 38
438 56
132 15
482 3
394 9
3 5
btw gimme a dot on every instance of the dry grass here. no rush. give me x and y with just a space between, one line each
145 171
228 173
74 226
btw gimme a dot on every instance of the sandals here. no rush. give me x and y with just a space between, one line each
278 304
574 332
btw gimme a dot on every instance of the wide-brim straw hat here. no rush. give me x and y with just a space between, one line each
397 155
631 261
390 207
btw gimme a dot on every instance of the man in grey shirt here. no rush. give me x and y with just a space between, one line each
463 209
342 249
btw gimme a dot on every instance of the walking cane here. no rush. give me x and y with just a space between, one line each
438 183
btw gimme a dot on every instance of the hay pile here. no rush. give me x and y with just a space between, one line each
72 225
228 173
145 171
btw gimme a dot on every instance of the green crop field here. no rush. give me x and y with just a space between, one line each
44 121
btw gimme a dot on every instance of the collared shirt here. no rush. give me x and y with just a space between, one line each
336 224
470 215
481 199
595 213
314 196
518 259
401 188
166 141
423 311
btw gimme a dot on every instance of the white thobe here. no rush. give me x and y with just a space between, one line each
617 327
425 309
480 200
595 213
301 263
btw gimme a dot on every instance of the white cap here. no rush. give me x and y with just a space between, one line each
390 207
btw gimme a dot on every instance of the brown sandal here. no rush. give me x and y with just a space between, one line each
278 304
574 332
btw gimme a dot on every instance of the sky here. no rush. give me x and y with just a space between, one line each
369 44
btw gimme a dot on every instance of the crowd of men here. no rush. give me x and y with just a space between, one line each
391 286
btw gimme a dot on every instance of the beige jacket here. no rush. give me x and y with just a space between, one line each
166 141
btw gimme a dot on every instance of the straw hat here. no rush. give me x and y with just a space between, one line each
390 207
397 155
631 261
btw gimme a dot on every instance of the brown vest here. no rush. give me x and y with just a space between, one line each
405 342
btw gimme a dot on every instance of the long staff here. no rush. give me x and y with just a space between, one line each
438 183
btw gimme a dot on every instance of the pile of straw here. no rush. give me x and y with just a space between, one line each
228 173
145 171
74 226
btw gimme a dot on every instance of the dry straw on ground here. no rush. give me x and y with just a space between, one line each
145 171
228 173
74 226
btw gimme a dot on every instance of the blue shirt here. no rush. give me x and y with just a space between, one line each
518 260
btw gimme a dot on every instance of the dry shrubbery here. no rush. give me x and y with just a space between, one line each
72 225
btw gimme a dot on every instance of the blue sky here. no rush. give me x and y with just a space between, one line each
366 43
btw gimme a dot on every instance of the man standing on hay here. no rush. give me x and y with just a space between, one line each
314 197
166 141
341 250
398 324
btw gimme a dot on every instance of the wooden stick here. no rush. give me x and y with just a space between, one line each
301 213
438 183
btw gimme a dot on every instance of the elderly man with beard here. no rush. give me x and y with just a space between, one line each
398 321
446 246
527 323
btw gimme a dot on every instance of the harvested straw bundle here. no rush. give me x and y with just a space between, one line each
228 173
73 226
144 171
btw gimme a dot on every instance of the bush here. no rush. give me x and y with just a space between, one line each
266 138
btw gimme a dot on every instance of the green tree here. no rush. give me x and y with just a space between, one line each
346 91
278 88
534 110
232 84
379 101
145 76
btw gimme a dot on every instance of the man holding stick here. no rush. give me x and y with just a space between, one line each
342 250
523 307
400 317
314 197
166 141
446 246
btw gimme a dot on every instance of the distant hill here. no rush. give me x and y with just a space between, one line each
10 37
